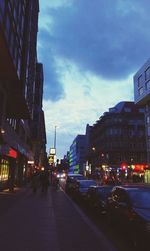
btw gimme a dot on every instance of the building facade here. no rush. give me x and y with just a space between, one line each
38 122
77 154
142 97
117 140
18 40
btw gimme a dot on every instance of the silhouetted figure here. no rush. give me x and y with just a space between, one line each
12 174
44 178
35 182
56 183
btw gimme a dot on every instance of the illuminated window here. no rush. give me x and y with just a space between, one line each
4 170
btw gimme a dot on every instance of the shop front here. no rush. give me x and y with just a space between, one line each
147 176
8 158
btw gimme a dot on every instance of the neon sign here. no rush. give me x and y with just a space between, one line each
12 153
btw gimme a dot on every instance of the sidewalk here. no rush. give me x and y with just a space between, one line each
49 222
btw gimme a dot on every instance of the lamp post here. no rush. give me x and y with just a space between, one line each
55 144
55 139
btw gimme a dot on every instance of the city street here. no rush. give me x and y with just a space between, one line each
49 222
101 223
74 125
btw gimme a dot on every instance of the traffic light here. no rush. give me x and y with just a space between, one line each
123 166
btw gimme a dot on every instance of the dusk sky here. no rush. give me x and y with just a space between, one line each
90 50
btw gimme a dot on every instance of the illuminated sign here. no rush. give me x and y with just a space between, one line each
52 151
139 167
12 153
51 159
30 161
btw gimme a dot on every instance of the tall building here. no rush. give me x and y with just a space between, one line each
18 61
77 154
118 140
142 97
38 122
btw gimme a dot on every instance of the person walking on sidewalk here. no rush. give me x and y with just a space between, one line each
44 178
35 182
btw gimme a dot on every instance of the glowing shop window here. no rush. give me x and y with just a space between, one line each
4 170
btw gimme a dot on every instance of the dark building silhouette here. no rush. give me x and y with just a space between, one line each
18 79
117 139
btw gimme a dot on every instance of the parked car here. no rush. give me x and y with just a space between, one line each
70 182
81 188
129 209
96 198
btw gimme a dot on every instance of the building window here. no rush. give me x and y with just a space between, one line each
147 108
2 7
148 130
140 91
141 110
148 143
4 170
148 85
127 109
19 66
147 73
140 81
7 26
11 41
147 119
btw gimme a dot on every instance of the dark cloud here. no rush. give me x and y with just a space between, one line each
53 88
108 38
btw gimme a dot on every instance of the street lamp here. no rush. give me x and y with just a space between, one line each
2 131
55 138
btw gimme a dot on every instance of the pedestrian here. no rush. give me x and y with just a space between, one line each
35 182
56 183
44 179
